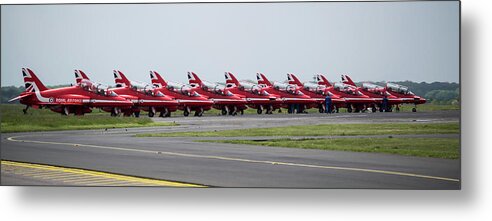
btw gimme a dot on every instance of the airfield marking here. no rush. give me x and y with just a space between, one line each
242 160
84 177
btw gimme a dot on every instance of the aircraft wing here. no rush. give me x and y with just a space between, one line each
19 97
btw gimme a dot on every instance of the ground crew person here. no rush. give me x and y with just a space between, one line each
328 104
385 104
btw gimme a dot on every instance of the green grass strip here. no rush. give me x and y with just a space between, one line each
325 130
446 148
13 120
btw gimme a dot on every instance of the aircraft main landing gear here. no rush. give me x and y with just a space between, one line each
225 110
115 112
65 111
164 113
151 111
186 111
199 112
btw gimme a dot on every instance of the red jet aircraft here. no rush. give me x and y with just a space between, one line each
77 99
144 97
223 99
406 95
354 99
376 92
188 99
318 93
257 97
289 93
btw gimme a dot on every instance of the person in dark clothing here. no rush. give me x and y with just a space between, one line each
384 105
328 104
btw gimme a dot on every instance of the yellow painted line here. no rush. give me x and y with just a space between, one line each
109 176
386 172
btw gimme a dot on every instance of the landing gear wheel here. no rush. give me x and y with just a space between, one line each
260 109
164 112
186 112
349 109
269 110
321 109
137 114
115 112
225 110
233 112
373 109
414 109
199 112
152 111
242 112
66 111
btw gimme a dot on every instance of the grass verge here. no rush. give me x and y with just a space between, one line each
446 148
13 120
325 130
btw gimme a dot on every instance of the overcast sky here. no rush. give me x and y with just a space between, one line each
384 41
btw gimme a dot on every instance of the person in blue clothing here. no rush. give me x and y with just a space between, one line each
328 104
384 105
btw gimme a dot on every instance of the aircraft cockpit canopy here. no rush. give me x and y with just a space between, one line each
398 88
252 88
375 89
368 86
143 88
346 88
97 88
215 88
181 88
314 87
289 88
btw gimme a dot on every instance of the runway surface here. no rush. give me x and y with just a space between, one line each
229 165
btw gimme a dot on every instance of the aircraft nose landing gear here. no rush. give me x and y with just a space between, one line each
25 109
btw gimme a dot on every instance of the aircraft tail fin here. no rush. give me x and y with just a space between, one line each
120 79
231 79
193 78
79 76
157 80
293 79
31 81
262 79
322 80
347 80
